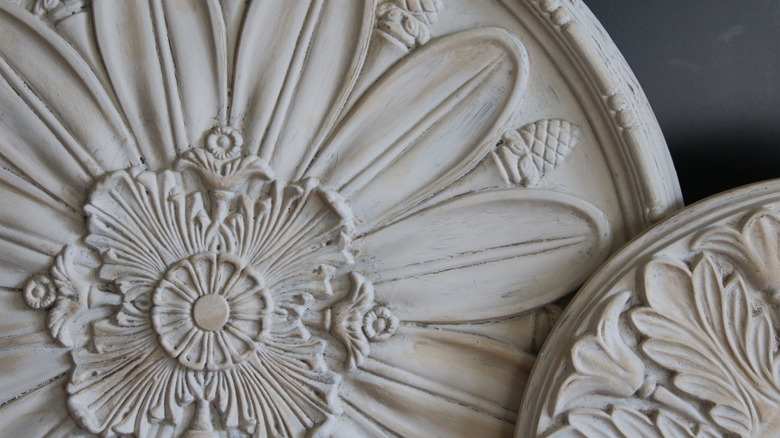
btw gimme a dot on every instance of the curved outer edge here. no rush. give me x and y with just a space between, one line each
643 149
555 352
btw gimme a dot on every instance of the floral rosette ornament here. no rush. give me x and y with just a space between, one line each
214 228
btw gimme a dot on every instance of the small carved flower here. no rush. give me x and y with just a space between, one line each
224 142
210 311
40 292
380 324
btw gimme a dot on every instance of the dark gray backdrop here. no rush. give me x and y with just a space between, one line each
711 70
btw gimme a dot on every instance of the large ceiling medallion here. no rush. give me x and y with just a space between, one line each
302 218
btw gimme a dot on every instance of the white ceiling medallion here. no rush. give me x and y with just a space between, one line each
676 336
303 218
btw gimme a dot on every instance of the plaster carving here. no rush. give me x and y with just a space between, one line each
407 22
525 155
56 10
279 219
684 341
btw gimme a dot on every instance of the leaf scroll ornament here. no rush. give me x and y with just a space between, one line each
349 315
602 361
705 337
755 249
718 338
56 10
58 290
628 422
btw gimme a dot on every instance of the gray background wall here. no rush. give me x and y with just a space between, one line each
711 70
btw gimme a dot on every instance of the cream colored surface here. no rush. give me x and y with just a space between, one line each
676 336
303 218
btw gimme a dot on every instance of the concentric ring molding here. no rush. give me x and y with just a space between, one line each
676 335
364 193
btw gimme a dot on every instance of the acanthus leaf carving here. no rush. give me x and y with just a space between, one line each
61 293
720 342
706 336
527 154
697 349
629 422
70 298
348 316
358 321
754 248
604 364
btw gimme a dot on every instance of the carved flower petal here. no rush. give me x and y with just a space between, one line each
430 266
489 376
388 155
295 66
126 385
393 400
280 392
40 413
298 228
142 223
30 357
28 241
59 127
167 64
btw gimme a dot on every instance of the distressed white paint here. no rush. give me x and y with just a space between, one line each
676 336
286 218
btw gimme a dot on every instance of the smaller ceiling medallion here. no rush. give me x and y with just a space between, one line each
676 336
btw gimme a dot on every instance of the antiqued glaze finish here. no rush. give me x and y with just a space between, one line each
677 336
309 218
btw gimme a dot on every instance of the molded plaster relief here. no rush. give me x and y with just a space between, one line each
676 336
292 218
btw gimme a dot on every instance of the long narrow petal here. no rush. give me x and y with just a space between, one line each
30 357
405 409
489 375
142 222
57 123
40 413
425 123
34 226
126 385
486 254
277 235
167 63
296 63
279 389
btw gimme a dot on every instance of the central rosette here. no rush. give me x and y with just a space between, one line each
210 311
212 301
